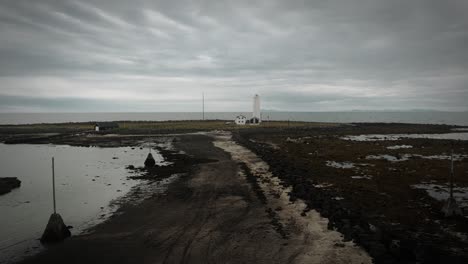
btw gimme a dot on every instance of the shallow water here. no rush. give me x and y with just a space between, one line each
361 177
400 147
340 165
391 158
442 193
87 180
392 137
405 157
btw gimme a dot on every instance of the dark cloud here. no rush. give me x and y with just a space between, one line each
299 55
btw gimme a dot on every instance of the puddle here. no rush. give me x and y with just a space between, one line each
394 137
323 185
345 164
389 157
400 147
456 157
362 177
340 165
441 192
294 140
405 157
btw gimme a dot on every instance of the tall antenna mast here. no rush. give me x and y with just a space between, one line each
203 105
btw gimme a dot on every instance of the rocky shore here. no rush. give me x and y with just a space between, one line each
354 210
9 183
216 212
288 188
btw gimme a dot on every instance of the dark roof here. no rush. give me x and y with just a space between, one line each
107 124
254 120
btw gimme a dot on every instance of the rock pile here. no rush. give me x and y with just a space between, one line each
55 231
8 183
385 243
150 162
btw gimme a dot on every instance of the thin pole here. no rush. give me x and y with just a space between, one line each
451 175
203 106
53 183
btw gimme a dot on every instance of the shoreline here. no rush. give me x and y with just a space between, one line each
426 117
209 215
371 209
194 192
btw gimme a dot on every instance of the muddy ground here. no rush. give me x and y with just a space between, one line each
279 195
216 213
372 200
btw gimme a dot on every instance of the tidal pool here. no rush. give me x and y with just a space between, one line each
88 179
394 137
441 192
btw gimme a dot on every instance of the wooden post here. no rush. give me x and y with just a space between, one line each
451 175
56 230
203 106
451 207
53 184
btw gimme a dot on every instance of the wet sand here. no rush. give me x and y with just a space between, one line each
211 215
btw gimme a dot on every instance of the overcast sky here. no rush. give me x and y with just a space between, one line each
139 55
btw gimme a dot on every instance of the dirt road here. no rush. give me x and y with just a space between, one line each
213 215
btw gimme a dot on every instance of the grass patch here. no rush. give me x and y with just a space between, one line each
147 127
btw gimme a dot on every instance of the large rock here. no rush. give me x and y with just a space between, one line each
55 231
8 183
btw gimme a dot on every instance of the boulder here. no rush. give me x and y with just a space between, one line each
8 183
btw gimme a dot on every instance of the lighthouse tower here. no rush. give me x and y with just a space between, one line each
256 116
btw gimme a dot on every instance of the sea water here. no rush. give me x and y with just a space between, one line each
425 117
88 179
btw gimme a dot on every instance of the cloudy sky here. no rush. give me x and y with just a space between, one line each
141 55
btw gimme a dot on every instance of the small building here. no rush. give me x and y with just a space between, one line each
254 120
256 114
102 126
240 120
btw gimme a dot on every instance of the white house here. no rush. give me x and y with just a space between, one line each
105 126
256 114
240 120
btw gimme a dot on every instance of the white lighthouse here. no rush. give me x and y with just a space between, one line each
256 116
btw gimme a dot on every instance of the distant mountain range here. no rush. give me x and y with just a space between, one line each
366 110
